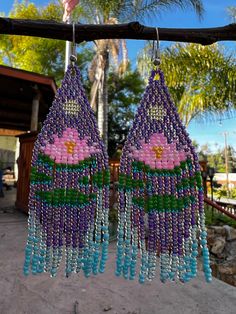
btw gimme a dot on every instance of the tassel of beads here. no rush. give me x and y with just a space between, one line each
161 209
69 188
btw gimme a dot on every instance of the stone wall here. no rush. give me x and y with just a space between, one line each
222 245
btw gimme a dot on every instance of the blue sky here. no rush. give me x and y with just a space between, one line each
215 15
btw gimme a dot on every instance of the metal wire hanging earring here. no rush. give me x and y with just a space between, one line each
161 201
69 186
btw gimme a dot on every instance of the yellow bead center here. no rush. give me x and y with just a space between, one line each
158 150
157 77
70 147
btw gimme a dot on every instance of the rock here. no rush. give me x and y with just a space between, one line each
230 249
231 280
228 268
214 268
219 230
230 233
210 239
218 246
227 271
222 246
107 308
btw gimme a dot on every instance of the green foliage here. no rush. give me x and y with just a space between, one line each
138 9
218 219
233 193
124 94
200 78
220 192
217 159
40 55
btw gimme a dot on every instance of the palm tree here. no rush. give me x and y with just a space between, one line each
232 13
200 79
110 12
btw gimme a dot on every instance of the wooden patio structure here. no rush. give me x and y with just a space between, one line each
25 98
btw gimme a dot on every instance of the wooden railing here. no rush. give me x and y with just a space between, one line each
225 208
226 211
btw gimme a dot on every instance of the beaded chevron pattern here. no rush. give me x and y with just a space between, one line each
69 188
161 200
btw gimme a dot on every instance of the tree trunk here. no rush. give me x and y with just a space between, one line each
103 100
105 97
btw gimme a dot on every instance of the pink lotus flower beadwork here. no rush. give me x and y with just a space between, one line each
69 148
158 153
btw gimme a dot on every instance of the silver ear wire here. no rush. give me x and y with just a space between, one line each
156 50
73 57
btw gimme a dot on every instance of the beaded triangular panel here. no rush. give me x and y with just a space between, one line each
69 188
161 198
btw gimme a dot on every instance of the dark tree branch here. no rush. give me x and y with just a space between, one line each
133 30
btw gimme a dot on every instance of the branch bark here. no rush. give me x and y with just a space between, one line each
132 30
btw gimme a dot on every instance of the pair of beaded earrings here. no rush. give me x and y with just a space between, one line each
161 205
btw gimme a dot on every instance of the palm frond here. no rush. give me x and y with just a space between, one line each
140 9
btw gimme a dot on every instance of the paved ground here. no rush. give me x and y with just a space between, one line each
9 198
101 294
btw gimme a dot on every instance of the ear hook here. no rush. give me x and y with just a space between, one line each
73 58
156 50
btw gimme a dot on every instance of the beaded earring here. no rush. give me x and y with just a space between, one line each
69 188
161 198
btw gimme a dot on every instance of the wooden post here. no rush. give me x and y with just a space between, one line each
35 111
226 164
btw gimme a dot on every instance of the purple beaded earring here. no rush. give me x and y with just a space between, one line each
161 206
69 188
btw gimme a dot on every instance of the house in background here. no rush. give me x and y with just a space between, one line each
25 98
221 178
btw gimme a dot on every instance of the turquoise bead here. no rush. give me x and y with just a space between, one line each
209 279
106 236
40 270
41 258
195 253
28 258
104 228
28 250
203 234
96 254
26 272
141 279
172 275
